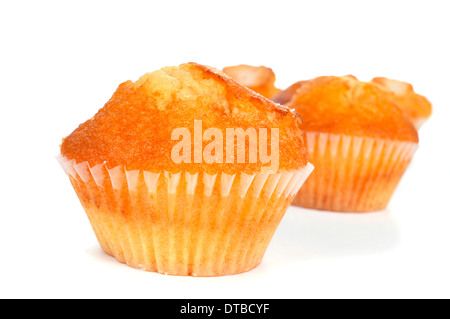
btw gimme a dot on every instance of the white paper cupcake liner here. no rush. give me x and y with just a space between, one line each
183 223
354 174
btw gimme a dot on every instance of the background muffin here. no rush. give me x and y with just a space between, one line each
260 79
284 96
359 141
416 107
194 216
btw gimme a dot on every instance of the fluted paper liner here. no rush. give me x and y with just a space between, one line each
353 174
184 224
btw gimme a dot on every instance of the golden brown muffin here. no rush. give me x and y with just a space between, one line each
260 79
189 217
359 141
416 107
285 96
125 133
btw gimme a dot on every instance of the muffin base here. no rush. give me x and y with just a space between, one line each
184 224
353 174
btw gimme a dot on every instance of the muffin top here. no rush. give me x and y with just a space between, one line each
284 96
345 105
415 106
260 79
144 121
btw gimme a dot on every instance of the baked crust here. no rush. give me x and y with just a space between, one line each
135 126
286 95
345 105
415 106
260 79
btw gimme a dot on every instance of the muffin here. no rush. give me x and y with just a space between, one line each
285 96
161 191
359 141
260 79
416 107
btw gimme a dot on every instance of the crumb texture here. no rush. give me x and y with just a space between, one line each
135 126
345 105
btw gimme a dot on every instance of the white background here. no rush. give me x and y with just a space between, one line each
60 61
